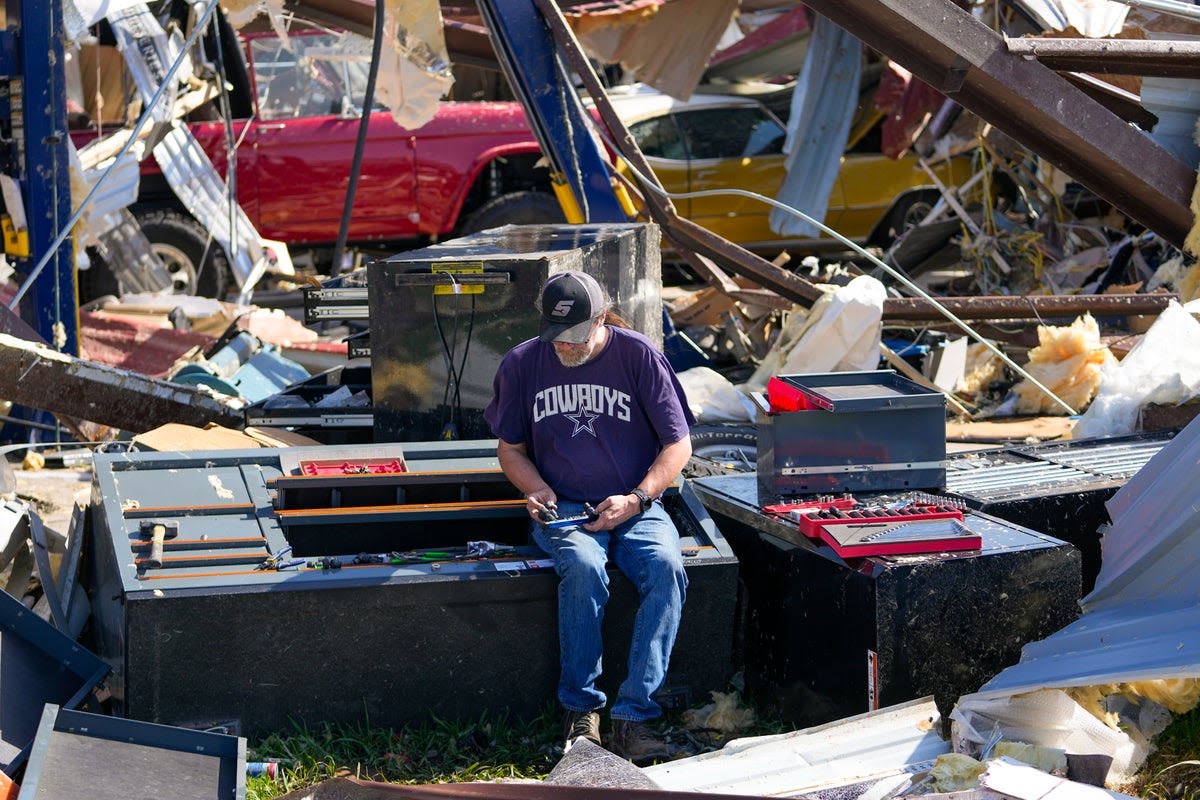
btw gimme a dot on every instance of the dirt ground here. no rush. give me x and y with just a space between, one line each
53 492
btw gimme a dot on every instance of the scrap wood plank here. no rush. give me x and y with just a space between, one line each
1009 429
36 376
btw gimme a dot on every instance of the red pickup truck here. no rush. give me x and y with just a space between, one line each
297 113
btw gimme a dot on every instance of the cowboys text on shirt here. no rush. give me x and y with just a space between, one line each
570 398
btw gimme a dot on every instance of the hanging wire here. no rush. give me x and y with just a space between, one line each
452 392
167 81
945 312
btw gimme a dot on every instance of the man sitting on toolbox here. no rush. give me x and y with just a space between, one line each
593 424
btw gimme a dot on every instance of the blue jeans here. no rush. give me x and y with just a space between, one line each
646 549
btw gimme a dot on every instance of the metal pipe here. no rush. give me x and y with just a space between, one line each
1185 10
360 143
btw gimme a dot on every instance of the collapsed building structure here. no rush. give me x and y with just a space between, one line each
1008 84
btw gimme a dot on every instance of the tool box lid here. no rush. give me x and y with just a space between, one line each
843 392
41 665
79 754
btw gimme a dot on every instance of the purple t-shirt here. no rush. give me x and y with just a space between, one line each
592 430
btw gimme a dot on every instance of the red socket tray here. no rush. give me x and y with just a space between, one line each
363 466
855 529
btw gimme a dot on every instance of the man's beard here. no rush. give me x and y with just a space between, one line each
574 359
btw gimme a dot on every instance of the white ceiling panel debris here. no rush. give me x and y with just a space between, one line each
869 747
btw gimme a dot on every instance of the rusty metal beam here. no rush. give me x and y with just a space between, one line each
686 235
683 233
1027 307
36 376
961 57
1160 58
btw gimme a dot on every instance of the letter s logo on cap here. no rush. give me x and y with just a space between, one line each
562 308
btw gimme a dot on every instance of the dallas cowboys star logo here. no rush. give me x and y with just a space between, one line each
583 421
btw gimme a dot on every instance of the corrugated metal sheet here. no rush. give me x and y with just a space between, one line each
1140 623
1017 471
872 746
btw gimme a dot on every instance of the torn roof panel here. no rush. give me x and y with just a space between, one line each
773 49
666 44
1151 550
1141 623
1141 642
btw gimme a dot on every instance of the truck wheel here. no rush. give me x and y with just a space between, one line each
518 208
721 449
197 264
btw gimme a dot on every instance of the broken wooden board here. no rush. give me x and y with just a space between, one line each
38 377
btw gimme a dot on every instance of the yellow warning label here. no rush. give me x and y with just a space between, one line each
459 285
16 242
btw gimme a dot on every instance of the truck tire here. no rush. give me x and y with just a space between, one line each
518 208
197 263
722 449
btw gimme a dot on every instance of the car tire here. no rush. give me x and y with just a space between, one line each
518 208
722 449
196 262
907 211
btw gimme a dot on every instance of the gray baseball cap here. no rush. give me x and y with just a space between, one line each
568 303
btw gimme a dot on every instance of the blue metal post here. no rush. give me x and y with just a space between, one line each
41 165
526 50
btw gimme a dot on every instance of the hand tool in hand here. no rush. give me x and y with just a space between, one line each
589 514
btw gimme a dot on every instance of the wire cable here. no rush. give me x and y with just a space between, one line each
452 413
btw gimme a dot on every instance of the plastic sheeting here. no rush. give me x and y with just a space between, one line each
839 334
1163 368
1134 652
823 105
712 398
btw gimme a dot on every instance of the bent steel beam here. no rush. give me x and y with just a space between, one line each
552 106
1161 58
958 55
1028 307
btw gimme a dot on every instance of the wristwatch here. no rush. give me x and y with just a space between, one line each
643 498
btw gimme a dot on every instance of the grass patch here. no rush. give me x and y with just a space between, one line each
439 751
1173 770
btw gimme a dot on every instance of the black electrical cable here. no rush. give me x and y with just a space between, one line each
452 399
462 365
361 143
448 359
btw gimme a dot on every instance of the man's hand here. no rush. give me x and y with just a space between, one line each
613 510
538 502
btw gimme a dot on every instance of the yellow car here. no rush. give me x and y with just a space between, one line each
733 142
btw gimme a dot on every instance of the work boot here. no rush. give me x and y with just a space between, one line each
580 725
636 742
